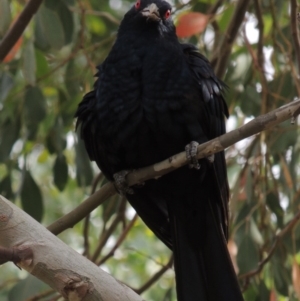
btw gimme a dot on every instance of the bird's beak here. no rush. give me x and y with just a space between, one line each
151 12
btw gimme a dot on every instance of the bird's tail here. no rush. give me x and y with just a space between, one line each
204 271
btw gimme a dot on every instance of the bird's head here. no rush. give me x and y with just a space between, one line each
150 14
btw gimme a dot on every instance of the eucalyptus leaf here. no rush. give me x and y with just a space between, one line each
34 110
6 188
5 17
84 172
248 255
60 172
6 84
26 288
49 30
29 63
9 132
31 197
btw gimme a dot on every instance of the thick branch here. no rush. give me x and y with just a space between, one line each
18 28
48 258
261 123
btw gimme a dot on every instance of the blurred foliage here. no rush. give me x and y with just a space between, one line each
45 170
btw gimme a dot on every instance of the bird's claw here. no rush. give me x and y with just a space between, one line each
211 158
121 183
191 154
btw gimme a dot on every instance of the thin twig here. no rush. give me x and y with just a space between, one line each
14 33
276 240
295 32
86 243
119 241
155 277
219 61
261 57
107 233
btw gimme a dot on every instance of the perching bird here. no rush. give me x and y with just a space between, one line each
154 96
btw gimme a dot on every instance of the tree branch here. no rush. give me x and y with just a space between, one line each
14 33
119 241
52 261
155 277
219 61
277 238
261 123
295 32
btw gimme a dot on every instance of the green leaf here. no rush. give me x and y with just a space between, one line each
31 197
264 292
27 288
34 110
65 16
255 233
5 17
281 278
274 204
248 256
250 101
6 84
41 64
60 171
72 80
251 292
9 133
5 188
40 40
84 172
29 63
243 213
56 140
48 29
226 17
243 63
280 142
280 274
96 25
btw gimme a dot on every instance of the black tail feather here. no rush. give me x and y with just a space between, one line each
204 271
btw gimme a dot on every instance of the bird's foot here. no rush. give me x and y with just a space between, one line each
191 154
211 158
121 183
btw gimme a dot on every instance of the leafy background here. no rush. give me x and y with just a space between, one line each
45 170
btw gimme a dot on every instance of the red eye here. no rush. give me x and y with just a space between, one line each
137 4
167 14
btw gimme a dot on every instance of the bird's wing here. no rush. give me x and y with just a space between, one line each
150 207
211 93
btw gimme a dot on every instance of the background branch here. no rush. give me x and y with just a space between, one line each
220 58
14 33
276 240
295 32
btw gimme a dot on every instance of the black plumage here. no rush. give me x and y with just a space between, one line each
153 96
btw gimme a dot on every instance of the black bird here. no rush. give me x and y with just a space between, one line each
153 96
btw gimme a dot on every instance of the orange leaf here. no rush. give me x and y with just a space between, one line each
296 278
190 24
286 172
273 296
13 51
